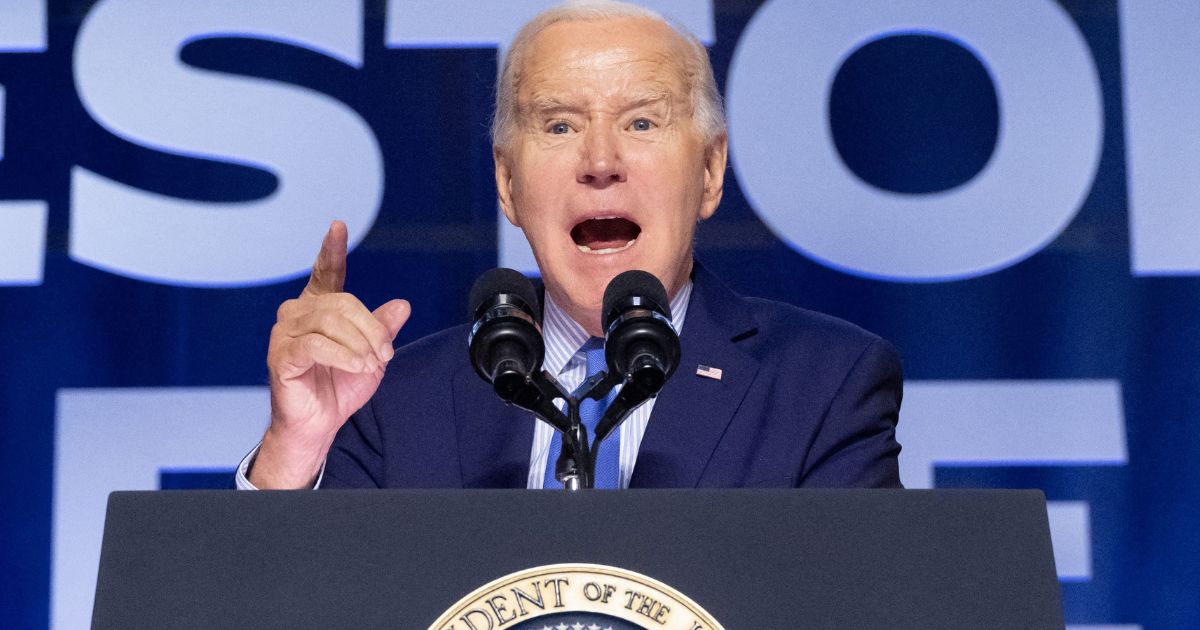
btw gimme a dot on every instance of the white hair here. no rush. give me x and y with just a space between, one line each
707 111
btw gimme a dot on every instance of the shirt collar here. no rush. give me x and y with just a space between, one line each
564 336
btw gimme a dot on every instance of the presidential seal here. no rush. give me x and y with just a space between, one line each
576 597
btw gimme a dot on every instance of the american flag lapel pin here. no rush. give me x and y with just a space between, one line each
708 372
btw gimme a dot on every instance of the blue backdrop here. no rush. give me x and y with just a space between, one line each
1008 193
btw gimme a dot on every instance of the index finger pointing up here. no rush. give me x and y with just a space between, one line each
329 270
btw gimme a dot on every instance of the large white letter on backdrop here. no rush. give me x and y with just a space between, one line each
22 223
326 159
1040 172
1159 47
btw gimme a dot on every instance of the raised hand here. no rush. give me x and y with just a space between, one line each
326 358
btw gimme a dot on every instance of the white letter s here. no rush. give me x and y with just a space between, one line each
131 81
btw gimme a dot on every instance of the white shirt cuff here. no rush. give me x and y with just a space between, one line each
242 479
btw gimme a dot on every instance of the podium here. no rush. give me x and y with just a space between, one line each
751 559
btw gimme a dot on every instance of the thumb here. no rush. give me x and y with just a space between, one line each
392 315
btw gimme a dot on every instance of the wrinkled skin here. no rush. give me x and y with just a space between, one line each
605 129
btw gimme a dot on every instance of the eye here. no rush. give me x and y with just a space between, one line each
642 124
560 128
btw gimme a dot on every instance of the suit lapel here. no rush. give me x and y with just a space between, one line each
693 411
494 439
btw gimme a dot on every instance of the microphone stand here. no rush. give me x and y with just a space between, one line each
571 469
577 469
576 464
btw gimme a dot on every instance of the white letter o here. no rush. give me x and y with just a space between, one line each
1047 150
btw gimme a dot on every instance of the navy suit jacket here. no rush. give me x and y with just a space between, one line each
805 400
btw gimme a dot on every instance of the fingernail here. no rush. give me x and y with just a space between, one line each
356 364
386 352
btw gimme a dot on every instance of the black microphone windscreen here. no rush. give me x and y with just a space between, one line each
634 282
503 280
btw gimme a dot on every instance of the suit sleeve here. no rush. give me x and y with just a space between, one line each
355 459
856 444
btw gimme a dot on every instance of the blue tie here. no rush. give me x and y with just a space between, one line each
590 412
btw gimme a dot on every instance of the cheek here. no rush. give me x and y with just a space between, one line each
540 180
676 192
527 196
535 200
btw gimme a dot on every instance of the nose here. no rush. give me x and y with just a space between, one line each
600 163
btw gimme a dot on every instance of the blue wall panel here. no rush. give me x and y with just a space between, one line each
921 103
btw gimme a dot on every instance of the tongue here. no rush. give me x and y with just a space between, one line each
599 234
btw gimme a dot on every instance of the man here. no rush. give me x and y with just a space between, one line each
609 146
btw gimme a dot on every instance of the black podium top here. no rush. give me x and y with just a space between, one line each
753 559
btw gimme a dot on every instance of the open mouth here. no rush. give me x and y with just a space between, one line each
605 235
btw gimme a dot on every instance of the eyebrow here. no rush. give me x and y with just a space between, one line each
542 103
645 99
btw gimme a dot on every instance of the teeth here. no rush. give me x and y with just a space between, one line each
608 250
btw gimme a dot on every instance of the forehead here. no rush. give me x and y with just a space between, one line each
604 58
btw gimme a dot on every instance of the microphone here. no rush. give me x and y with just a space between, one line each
506 335
506 344
641 347
640 343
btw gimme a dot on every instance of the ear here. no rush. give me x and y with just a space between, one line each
715 159
504 184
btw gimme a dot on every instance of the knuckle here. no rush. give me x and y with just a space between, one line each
328 320
314 343
333 301
286 309
344 301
